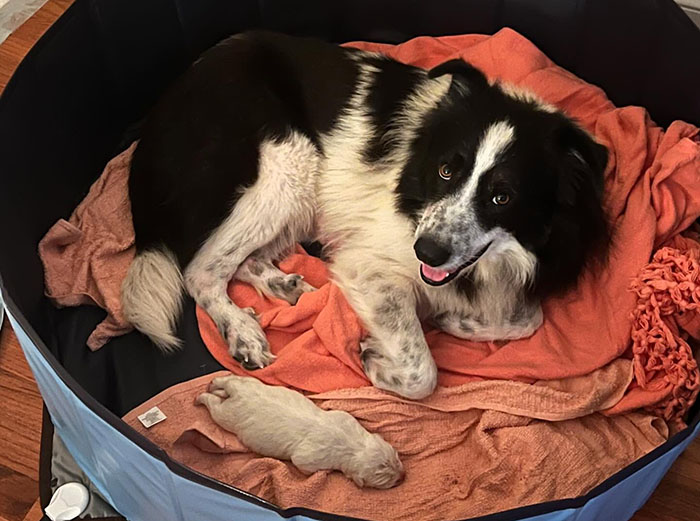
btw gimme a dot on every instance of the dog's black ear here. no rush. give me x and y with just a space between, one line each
461 69
579 233
585 162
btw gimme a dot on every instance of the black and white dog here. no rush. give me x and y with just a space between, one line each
436 195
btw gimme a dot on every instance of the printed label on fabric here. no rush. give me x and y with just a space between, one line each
151 417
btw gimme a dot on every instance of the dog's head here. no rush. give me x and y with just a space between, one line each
496 172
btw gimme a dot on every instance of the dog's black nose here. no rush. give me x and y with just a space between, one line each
431 252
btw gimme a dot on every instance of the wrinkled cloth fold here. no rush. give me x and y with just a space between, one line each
468 450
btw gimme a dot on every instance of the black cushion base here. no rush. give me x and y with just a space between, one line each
129 369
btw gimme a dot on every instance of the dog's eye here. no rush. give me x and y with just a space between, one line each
500 199
445 172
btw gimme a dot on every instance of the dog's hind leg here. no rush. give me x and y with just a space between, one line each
263 275
276 211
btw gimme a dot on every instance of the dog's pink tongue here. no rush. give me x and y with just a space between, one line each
433 274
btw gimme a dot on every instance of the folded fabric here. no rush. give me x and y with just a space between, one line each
652 194
86 258
468 450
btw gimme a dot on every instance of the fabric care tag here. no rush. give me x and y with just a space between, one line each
151 417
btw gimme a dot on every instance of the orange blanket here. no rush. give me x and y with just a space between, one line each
468 450
652 194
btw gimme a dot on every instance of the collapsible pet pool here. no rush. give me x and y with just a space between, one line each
76 101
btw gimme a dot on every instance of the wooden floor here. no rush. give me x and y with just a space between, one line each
20 402
676 499
20 432
18 43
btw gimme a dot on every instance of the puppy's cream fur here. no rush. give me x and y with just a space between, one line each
283 424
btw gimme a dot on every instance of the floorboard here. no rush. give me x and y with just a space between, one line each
17 45
17 494
35 513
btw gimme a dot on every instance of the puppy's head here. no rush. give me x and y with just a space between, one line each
377 465
495 172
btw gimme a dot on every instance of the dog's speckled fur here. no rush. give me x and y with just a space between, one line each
270 140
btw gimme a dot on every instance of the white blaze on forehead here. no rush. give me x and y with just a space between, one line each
496 140
458 207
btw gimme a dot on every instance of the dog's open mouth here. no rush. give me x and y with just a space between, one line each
438 277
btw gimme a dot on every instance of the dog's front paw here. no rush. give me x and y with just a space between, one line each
461 326
522 325
413 375
289 287
247 343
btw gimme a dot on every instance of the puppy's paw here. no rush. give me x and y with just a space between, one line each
208 399
217 387
217 384
247 343
413 375
289 287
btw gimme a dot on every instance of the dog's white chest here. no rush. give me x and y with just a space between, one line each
357 218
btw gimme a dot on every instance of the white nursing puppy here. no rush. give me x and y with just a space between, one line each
283 424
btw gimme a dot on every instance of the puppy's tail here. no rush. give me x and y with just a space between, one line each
151 296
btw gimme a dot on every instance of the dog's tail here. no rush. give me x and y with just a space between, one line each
151 296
